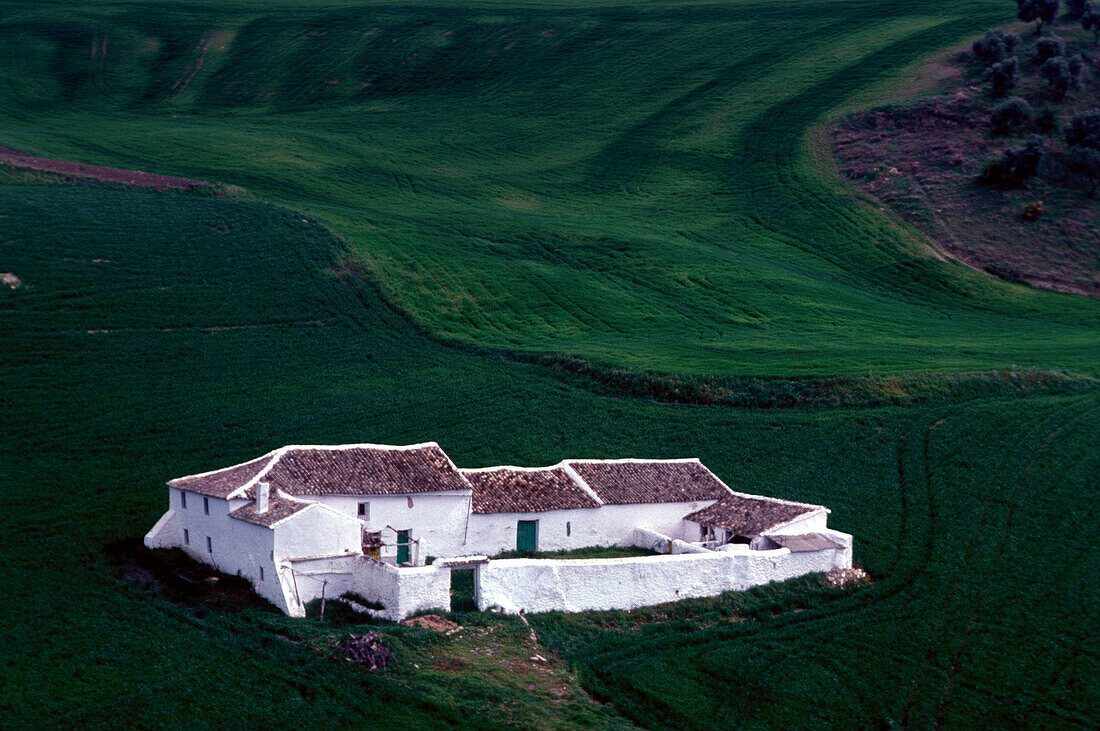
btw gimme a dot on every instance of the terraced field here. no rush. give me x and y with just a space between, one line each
630 185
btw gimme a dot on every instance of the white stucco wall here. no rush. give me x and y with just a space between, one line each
402 591
540 585
607 525
437 519
317 531
812 523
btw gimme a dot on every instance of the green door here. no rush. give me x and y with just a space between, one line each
403 540
527 535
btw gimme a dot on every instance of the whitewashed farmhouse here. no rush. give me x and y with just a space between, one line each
363 520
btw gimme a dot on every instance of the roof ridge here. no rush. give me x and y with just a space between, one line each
635 460
220 469
779 500
362 445
510 467
581 483
239 492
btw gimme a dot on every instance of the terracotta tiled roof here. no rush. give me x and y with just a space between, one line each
220 483
362 470
514 490
277 509
625 482
358 469
748 515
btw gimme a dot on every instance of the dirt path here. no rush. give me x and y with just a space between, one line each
21 161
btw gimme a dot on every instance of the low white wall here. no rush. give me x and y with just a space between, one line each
402 591
302 581
540 585
651 540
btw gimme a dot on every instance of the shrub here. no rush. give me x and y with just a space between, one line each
1048 48
1040 11
1046 120
1062 74
994 46
1076 8
1002 77
1016 166
1082 134
1009 115
1033 210
1090 20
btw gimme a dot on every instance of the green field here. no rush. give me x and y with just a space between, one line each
632 185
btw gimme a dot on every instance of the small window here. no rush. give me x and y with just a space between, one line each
410 501
209 545
186 537
364 511
183 500
206 505
261 573
567 527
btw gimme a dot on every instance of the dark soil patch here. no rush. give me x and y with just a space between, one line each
923 163
21 161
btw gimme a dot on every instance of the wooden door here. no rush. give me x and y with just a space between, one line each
527 535
403 540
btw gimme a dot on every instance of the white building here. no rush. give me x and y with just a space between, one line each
306 521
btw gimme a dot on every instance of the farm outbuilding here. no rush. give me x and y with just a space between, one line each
307 521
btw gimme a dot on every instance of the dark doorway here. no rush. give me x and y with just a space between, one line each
463 598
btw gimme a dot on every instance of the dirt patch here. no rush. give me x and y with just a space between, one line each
845 578
70 170
922 163
431 621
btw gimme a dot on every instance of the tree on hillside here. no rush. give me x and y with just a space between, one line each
1010 115
1062 74
1090 20
1040 11
1048 48
1017 166
994 46
1002 77
1082 134
1076 8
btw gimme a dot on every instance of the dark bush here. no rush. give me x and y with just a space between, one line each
1016 166
1048 48
994 46
1040 11
1046 120
1009 115
1082 134
1090 20
1002 77
1062 74
1076 8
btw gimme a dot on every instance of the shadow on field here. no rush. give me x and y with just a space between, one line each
180 579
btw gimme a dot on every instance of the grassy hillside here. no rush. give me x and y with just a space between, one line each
157 334
631 185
